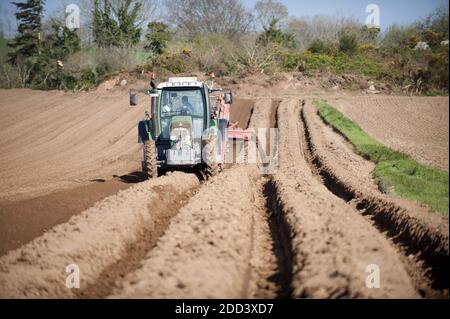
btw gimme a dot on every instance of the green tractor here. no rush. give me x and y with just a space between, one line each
182 130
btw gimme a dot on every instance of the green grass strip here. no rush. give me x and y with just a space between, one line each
397 172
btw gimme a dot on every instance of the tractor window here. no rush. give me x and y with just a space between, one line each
182 102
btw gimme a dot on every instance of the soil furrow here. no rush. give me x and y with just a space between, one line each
94 240
332 244
163 211
206 251
420 236
22 221
272 267
282 246
296 214
224 243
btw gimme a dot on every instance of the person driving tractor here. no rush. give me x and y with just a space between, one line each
186 107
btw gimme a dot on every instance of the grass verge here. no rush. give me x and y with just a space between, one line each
397 172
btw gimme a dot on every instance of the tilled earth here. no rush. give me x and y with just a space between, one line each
391 118
303 220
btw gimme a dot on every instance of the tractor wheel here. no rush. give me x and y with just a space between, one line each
212 167
150 159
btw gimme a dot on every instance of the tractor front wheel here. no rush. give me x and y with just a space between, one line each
150 167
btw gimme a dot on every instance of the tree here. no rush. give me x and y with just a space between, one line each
27 42
115 23
127 15
194 17
57 45
147 12
157 37
61 42
272 34
437 22
269 10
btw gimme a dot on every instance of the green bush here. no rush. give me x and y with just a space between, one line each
318 61
88 76
438 66
345 63
175 63
348 43
213 53
291 60
319 46
400 37
416 71
69 82
433 38
358 64
103 70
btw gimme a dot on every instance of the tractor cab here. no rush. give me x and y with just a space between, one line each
181 130
181 118
176 134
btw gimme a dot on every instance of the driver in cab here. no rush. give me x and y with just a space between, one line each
186 107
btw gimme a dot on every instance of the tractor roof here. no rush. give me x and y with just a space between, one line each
181 82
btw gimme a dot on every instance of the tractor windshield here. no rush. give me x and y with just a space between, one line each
176 103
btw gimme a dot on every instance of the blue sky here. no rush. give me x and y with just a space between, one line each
391 11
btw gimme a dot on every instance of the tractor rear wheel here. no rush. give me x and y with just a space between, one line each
150 167
212 167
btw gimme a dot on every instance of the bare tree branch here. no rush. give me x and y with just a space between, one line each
195 17
269 10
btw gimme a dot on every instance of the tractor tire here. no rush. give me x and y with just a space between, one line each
212 167
150 168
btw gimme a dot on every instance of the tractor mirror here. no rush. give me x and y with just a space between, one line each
228 97
154 104
133 98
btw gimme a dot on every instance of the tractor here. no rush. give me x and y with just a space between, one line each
181 132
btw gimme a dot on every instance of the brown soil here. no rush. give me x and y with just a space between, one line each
206 250
22 221
241 112
163 210
59 153
332 244
419 234
307 230
94 240
51 140
418 126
